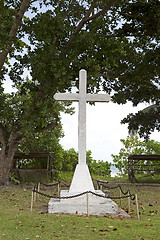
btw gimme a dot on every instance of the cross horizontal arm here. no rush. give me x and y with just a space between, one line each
67 97
97 98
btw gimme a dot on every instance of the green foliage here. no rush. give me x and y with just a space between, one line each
29 113
63 36
99 167
144 121
70 160
133 145
6 19
47 141
117 42
14 179
65 176
63 160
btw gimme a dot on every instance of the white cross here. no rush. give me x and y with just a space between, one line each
82 97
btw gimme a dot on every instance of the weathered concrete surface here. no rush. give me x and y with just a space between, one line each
96 205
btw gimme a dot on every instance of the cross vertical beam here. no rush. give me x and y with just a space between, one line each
82 117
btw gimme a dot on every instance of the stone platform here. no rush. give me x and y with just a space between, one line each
94 205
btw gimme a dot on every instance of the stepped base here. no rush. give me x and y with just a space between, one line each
96 205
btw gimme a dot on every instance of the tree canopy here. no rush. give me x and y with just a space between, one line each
116 41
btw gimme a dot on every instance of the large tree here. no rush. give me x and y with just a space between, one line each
116 41
22 116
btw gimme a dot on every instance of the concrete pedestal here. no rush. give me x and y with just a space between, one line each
81 181
92 204
78 205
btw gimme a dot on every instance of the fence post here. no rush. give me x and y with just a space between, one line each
38 188
51 173
97 185
137 207
58 189
129 202
120 195
87 204
32 198
35 188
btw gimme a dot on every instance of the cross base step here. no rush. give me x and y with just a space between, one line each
80 205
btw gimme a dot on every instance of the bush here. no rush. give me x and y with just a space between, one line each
132 146
70 160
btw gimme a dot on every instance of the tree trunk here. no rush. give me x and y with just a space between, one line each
4 171
8 150
6 161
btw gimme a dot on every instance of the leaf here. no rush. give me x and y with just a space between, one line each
127 226
110 226
142 208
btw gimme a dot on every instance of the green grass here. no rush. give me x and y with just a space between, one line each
141 178
17 222
148 178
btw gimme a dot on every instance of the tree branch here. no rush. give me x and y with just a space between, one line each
111 76
88 18
103 11
14 29
79 26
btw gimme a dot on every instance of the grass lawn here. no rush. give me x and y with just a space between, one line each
17 222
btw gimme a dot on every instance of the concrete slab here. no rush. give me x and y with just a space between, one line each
78 205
